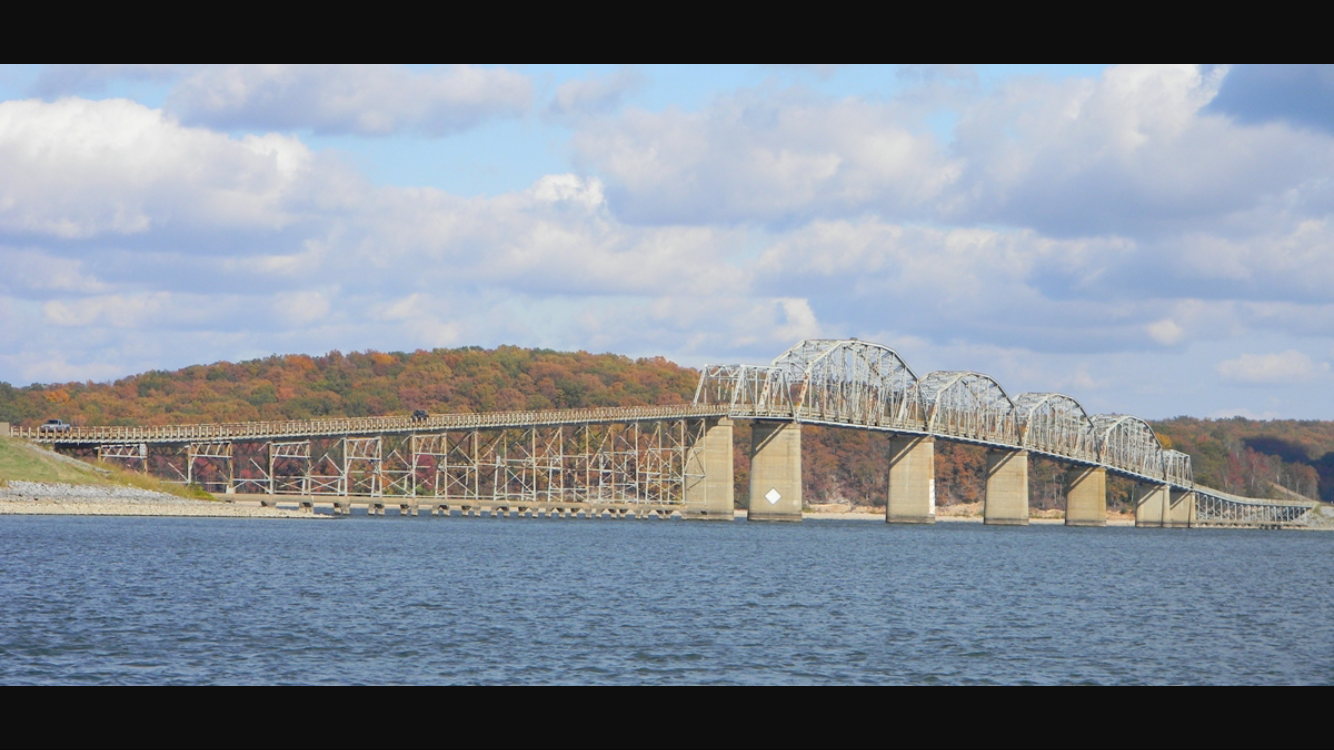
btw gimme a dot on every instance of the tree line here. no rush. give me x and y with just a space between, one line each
1277 458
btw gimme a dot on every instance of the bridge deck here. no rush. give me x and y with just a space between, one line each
361 426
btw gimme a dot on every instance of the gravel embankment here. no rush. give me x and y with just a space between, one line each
37 498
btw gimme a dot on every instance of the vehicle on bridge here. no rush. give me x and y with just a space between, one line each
55 425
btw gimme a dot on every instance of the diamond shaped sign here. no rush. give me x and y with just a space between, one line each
772 496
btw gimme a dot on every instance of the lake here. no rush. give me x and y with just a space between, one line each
572 601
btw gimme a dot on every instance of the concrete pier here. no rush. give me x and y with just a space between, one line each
1151 504
1086 498
1181 511
912 480
1006 501
775 472
710 497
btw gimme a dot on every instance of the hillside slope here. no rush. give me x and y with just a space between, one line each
23 462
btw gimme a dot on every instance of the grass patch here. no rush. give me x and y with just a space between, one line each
25 462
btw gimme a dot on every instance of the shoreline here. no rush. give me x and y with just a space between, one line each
862 516
204 509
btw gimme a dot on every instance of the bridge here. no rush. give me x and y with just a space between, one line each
678 460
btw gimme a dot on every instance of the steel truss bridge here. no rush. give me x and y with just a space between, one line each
653 460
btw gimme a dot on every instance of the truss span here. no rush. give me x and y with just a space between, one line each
1056 424
847 382
850 381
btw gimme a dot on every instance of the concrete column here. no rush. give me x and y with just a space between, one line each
709 497
912 480
1006 501
1086 500
1181 511
775 472
1151 504
4 429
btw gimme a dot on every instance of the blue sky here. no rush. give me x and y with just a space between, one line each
1151 240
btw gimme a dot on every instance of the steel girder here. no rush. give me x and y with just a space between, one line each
1176 468
749 391
860 383
1218 508
850 381
968 405
1130 444
1057 424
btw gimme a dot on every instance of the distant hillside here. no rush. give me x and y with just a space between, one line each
358 384
1243 456
1251 457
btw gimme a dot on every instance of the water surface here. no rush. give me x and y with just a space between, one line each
393 600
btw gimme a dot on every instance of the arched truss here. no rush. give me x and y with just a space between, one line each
968 404
1129 443
1055 423
862 383
850 381
748 390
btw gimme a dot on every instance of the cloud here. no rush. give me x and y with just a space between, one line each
30 271
359 99
65 80
297 308
1283 368
116 310
756 156
596 94
76 169
1165 331
1134 153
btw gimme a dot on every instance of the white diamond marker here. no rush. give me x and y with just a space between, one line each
772 496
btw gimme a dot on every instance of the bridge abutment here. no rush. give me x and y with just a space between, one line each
1006 501
912 480
1151 504
1181 510
1086 498
709 483
775 472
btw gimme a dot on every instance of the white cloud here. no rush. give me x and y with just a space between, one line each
116 310
1132 153
298 308
1165 331
362 99
34 271
1283 368
77 169
595 94
763 157
568 187
65 80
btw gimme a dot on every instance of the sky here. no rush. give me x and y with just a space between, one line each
1149 240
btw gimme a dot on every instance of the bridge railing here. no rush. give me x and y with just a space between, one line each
362 425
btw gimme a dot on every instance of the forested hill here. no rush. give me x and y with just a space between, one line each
1248 457
358 384
1257 458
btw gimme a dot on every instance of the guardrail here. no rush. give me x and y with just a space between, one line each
353 426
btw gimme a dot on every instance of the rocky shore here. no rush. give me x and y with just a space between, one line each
39 498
